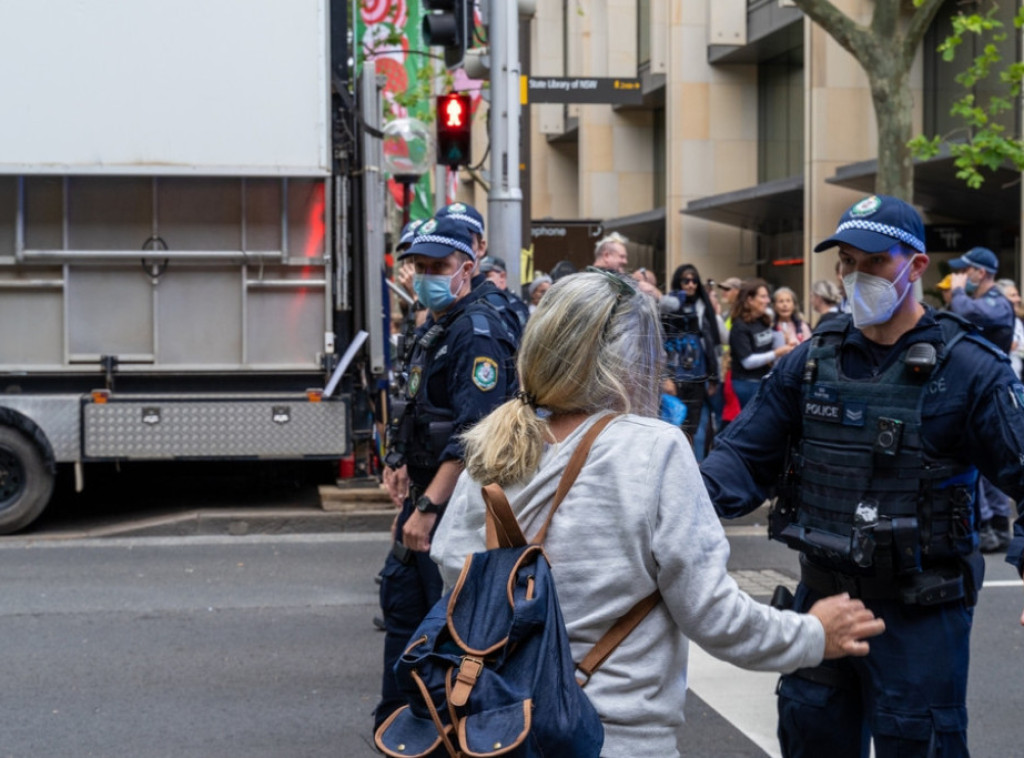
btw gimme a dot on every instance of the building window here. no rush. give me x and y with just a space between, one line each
780 124
940 87
658 140
643 32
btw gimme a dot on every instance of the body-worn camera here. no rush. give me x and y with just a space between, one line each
889 436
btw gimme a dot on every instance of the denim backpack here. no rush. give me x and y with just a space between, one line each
489 671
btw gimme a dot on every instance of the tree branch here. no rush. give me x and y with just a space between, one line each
854 38
919 23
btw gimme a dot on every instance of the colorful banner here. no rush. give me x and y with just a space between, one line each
386 31
389 33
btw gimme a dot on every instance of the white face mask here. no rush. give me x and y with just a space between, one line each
873 299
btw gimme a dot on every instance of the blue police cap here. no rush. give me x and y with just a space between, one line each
467 214
409 232
439 238
979 257
875 224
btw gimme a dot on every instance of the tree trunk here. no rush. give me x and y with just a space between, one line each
894 107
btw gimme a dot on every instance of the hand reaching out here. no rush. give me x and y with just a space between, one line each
847 625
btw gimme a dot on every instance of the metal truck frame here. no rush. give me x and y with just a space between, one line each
179 270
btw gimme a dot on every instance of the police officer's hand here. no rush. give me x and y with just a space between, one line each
403 277
958 280
847 625
397 482
784 349
416 532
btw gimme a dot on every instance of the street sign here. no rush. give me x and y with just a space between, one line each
580 89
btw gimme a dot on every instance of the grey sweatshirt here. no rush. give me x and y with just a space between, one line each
637 518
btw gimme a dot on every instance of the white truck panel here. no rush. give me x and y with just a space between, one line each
203 87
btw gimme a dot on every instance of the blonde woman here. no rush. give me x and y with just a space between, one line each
637 518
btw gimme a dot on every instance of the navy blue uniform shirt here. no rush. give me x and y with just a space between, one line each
470 370
992 312
972 410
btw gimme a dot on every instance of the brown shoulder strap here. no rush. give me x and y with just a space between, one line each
572 470
502 528
614 636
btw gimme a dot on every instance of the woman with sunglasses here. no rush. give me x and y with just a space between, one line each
692 334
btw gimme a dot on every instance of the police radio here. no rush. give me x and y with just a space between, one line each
920 359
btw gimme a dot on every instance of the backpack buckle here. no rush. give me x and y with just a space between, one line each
469 672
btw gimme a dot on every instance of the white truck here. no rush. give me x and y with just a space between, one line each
179 268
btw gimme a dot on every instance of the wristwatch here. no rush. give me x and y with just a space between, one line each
425 505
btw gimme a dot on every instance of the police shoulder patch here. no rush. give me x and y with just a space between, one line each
485 373
414 381
1017 395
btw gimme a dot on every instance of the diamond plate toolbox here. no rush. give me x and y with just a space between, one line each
165 427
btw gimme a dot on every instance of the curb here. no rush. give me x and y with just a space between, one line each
342 509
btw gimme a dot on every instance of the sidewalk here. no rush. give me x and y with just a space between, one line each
357 507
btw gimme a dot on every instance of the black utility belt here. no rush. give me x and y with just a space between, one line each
927 587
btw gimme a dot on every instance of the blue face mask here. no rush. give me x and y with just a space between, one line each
970 287
435 290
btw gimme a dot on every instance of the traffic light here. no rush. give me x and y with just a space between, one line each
447 24
454 126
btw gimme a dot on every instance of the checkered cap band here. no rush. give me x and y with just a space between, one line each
889 231
468 220
451 242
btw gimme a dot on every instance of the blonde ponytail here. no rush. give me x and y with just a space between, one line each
505 447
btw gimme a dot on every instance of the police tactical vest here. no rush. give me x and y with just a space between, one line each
421 428
860 494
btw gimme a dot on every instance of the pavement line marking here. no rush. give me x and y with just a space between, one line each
746 699
757 530
1004 583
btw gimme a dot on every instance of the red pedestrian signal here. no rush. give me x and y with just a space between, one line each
454 128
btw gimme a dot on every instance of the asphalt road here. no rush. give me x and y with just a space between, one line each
262 646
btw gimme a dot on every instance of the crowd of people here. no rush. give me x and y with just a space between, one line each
888 488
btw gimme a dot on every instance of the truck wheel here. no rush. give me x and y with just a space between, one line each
25 481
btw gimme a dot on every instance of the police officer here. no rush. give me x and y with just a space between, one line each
872 435
459 369
499 298
494 269
974 295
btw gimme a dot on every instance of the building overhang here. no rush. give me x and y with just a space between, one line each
647 228
768 208
938 191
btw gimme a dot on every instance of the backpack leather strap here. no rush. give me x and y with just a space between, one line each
614 636
572 470
502 529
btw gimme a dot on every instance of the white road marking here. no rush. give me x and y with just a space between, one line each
746 699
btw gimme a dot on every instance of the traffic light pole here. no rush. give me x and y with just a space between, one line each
505 198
